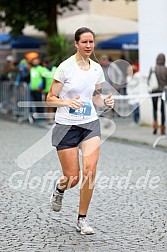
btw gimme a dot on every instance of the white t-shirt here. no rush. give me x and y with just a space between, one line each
77 82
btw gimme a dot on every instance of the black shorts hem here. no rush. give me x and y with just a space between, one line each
61 147
70 136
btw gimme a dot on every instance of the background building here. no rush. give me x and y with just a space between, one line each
117 8
108 19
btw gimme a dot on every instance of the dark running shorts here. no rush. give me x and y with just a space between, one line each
67 136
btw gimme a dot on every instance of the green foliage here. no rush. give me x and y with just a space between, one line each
59 49
40 13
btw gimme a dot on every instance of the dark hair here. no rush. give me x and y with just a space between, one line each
160 59
82 30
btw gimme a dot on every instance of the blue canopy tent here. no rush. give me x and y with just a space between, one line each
122 42
21 42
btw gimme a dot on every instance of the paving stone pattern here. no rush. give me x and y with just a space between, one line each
124 217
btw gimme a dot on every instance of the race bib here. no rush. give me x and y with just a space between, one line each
83 111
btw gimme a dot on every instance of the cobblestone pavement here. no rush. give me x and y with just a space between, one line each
128 210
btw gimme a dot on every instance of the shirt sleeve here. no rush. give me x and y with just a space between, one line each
101 77
60 74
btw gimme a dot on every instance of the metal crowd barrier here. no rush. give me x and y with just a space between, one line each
10 95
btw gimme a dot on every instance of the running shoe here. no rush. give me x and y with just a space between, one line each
56 198
83 227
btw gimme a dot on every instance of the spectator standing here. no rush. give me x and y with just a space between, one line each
48 81
112 74
9 70
113 77
37 82
22 70
161 73
133 88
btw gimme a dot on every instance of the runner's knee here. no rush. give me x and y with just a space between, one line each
72 181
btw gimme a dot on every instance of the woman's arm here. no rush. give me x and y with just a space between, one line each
98 99
54 100
52 97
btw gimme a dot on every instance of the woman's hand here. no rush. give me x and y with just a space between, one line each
74 103
109 101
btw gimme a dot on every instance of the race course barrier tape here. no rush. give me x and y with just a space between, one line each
142 96
116 97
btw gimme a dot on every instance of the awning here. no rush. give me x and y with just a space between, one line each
122 42
100 24
21 42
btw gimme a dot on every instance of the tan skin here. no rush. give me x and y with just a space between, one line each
69 158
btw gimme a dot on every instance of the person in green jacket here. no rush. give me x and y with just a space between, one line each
48 81
37 83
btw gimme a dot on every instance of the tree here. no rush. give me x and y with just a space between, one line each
43 15
58 49
40 13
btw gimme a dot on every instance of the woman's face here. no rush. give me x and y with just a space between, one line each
85 45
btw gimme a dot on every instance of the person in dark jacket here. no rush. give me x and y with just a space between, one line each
161 73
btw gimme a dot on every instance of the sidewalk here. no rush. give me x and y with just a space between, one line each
126 131
123 129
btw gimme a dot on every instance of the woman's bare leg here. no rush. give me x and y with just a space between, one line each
69 159
90 154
